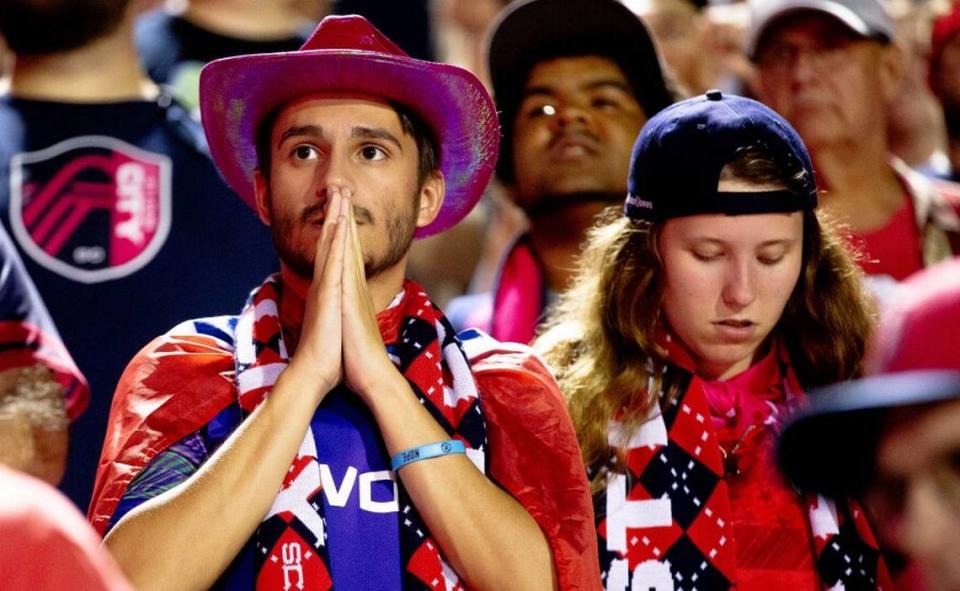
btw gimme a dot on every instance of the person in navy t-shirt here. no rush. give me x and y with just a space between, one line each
111 198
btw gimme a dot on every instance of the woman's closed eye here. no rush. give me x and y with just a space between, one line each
609 101
707 255
773 254
534 110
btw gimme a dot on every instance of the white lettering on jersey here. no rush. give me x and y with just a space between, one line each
338 496
650 575
366 493
131 200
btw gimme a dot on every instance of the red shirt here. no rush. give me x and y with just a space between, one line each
894 249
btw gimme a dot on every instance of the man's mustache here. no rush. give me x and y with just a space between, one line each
315 212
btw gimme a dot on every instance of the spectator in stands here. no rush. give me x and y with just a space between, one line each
111 199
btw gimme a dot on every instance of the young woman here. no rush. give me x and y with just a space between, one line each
698 317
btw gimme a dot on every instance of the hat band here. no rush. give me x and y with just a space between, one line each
726 202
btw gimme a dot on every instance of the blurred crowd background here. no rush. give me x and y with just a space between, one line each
702 45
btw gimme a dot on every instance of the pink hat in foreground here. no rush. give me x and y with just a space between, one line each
913 360
346 54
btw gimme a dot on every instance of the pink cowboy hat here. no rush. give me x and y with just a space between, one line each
348 54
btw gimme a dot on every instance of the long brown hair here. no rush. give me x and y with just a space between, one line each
599 338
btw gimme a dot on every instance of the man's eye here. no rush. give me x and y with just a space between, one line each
544 110
603 102
953 461
372 153
304 152
778 55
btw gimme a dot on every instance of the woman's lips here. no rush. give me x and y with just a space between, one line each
736 330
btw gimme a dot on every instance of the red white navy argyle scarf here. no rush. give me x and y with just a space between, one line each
425 348
664 520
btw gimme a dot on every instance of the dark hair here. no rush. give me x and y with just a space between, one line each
40 27
412 125
755 165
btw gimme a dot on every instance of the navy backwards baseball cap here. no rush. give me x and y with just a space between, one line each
678 156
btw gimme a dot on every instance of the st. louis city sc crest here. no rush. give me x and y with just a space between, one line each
92 208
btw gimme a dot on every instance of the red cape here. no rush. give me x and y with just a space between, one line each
178 383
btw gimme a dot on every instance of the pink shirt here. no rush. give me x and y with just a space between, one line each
45 544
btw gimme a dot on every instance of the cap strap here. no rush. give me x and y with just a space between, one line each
725 202
753 202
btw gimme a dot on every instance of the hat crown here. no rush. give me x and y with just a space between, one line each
678 157
350 32
918 331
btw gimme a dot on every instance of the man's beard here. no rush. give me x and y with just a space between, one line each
39 27
549 203
400 228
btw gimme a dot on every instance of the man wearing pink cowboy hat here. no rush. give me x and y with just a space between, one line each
337 433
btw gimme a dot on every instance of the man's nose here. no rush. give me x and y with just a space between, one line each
570 114
802 65
336 172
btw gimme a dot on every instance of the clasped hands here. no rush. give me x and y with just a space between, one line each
340 338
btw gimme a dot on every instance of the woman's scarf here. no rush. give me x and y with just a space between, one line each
673 489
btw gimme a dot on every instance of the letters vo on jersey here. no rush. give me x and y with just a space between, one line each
92 208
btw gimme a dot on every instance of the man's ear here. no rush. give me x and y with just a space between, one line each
261 190
431 199
893 64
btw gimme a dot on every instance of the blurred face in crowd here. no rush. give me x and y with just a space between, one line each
727 280
915 500
831 84
680 33
37 27
574 130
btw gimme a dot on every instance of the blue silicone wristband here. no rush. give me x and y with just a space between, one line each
425 452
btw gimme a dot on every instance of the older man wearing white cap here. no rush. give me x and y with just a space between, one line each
831 68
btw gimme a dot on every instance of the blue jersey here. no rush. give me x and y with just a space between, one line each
126 228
